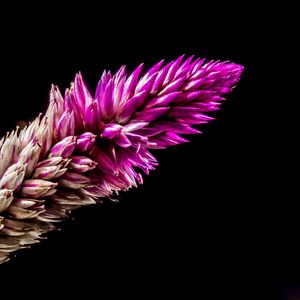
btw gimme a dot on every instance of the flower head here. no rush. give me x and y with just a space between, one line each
90 145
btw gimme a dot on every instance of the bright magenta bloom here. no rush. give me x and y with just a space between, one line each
88 146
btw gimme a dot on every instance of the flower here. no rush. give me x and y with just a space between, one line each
88 146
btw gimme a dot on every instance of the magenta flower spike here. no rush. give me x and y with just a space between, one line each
89 146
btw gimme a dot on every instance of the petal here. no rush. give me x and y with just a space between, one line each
196 118
153 69
91 117
182 70
111 130
82 95
162 100
85 141
172 70
186 97
131 82
130 106
150 114
173 86
66 125
122 140
105 163
160 78
106 103
134 126
175 127
145 85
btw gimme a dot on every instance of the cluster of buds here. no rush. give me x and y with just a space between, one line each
88 147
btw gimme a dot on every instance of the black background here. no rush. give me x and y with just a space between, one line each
217 219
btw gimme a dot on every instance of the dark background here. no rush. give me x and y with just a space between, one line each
217 219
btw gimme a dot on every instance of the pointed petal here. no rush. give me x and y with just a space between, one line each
122 140
162 100
134 126
131 82
91 117
111 130
172 70
150 114
106 103
130 106
82 94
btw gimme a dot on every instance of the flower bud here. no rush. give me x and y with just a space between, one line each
64 148
36 188
82 164
74 180
85 141
6 197
52 161
30 155
48 173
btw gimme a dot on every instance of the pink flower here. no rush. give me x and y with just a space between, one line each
89 146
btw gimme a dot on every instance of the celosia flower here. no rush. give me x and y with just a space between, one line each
88 146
